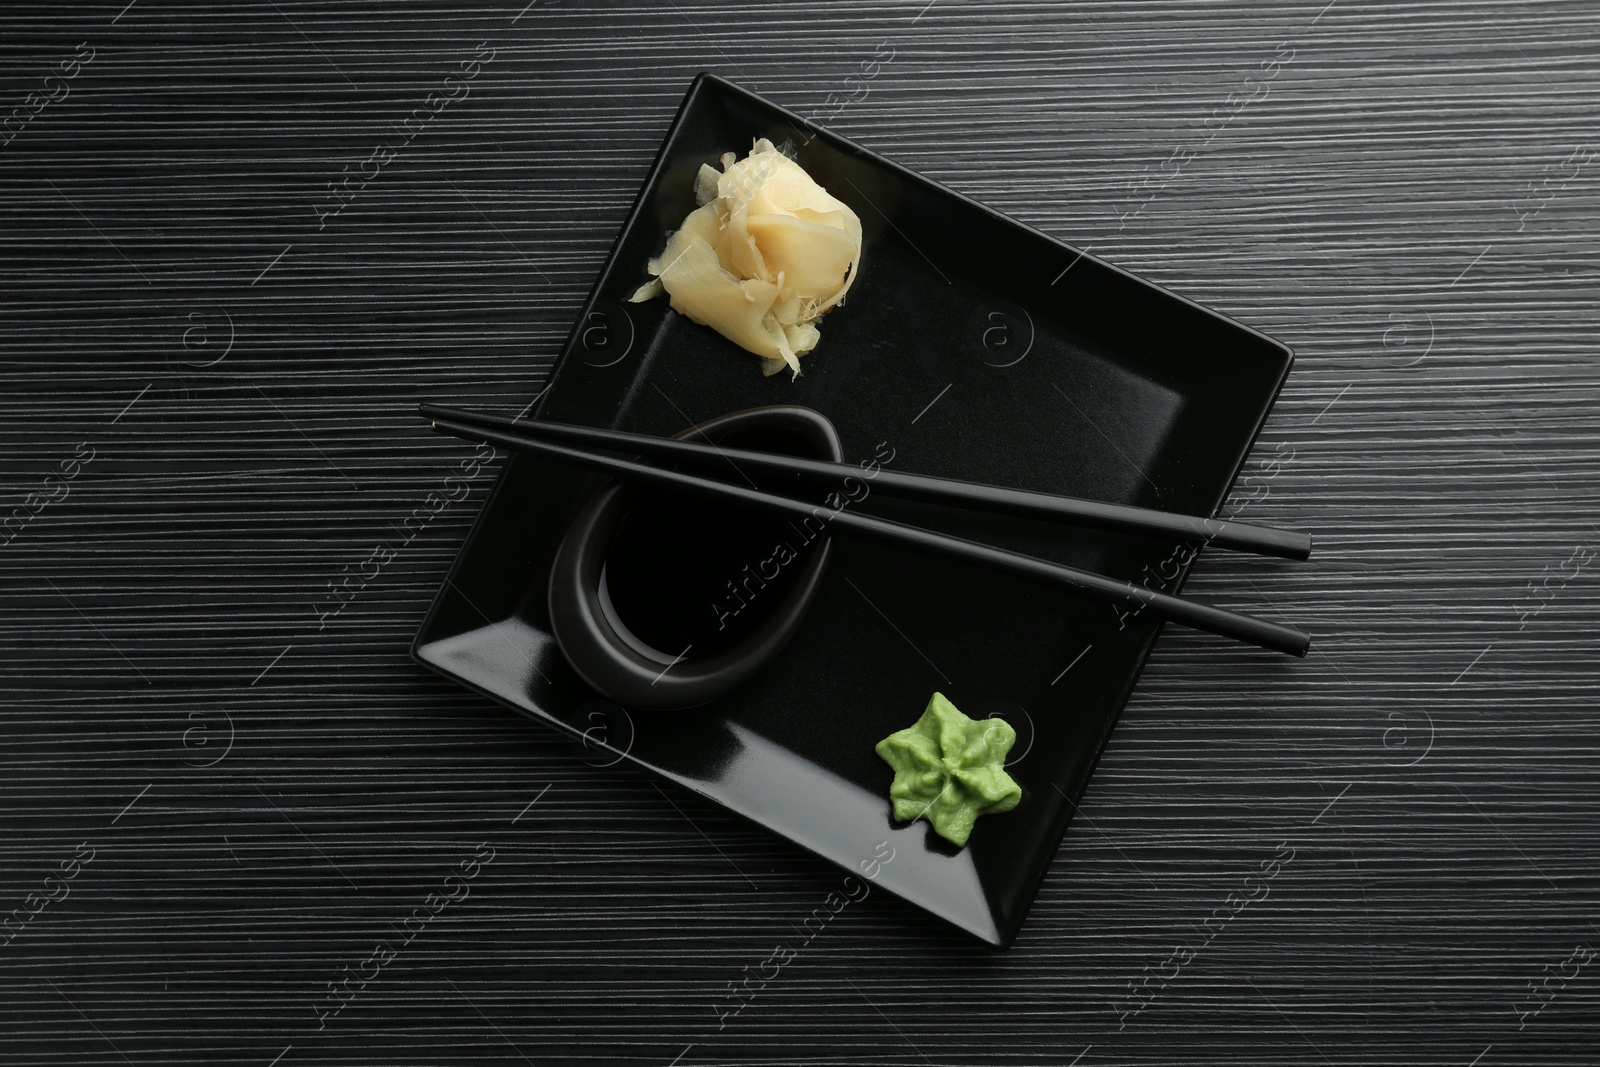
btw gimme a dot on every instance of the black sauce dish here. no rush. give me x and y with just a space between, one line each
663 603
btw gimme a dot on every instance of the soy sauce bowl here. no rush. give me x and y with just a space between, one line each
664 602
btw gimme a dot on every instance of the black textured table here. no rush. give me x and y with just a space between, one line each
231 266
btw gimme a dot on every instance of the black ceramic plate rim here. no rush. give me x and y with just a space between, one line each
602 283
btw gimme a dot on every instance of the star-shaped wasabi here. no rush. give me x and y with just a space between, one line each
950 769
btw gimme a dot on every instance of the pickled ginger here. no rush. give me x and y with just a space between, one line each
765 255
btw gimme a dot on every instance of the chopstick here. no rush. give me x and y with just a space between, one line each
1092 514
869 528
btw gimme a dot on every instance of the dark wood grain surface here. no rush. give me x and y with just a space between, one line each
223 786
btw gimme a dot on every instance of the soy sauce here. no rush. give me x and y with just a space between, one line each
692 577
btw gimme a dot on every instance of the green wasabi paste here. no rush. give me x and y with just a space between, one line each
950 769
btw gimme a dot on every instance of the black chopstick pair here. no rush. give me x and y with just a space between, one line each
537 438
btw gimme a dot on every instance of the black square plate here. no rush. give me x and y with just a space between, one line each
972 347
